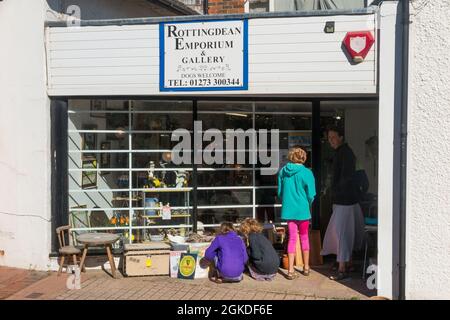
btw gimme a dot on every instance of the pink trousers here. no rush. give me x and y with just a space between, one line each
298 227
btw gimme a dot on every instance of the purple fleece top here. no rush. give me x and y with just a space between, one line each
231 253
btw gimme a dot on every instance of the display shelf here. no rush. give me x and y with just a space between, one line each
154 190
172 216
126 199
156 217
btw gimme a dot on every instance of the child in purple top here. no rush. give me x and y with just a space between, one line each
229 254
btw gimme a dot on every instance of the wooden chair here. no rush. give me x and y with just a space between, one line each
66 250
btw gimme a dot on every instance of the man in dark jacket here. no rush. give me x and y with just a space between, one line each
346 228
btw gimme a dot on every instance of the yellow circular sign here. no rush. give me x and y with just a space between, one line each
187 266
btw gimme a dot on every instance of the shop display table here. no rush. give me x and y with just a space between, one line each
99 239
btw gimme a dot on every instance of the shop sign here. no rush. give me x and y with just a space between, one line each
204 55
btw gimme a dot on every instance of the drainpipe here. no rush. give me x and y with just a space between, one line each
205 6
403 143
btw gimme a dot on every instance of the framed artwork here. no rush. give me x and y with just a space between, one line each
299 139
98 105
79 219
118 105
105 158
89 178
89 141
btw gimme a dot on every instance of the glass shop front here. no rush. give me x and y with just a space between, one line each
122 177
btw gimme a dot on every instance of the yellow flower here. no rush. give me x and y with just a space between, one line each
127 236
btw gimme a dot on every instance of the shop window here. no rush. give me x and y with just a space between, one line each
120 170
242 186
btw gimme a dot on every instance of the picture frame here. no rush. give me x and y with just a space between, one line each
89 178
89 140
105 158
299 139
98 105
117 105
79 219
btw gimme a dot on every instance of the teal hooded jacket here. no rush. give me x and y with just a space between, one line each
296 189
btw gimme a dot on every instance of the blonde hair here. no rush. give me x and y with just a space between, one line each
250 225
297 155
226 227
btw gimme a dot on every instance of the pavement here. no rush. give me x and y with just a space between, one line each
18 284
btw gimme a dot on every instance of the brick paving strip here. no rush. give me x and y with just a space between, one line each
14 280
22 285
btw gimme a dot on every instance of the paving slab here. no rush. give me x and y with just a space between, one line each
96 284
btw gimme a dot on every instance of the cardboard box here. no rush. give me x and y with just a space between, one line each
146 259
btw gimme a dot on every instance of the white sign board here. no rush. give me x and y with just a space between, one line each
207 55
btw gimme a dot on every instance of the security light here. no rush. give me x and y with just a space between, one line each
329 27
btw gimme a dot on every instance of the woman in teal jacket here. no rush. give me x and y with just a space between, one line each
296 189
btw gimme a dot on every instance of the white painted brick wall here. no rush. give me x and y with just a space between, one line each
428 176
24 137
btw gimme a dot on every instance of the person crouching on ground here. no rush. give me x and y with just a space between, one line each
227 255
296 188
263 260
